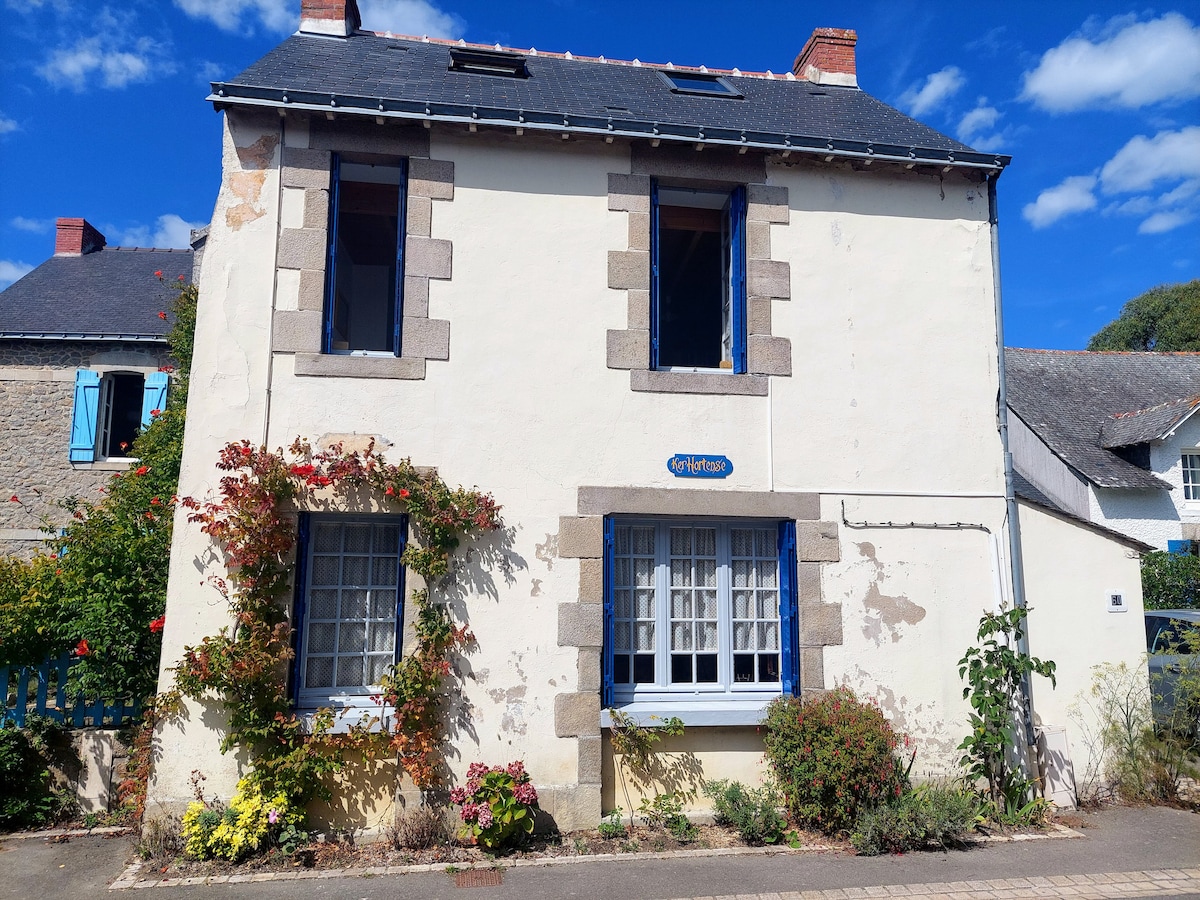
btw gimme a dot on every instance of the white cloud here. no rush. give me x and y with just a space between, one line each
1141 163
37 226
1073 195
976 128
1165 221
172 233
7 124
1129 64
282 16
111 54
938 88
11 270
414 17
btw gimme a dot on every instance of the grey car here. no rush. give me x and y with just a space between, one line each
1167 646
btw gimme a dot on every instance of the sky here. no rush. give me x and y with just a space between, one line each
1098 103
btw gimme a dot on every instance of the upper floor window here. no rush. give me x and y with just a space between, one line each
1191 476
365 269
697 279
699 610
110 409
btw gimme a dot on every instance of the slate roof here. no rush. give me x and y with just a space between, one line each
377 75
1068 398
1154 424
110 293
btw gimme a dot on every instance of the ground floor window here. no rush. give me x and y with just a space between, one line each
349 608
699 610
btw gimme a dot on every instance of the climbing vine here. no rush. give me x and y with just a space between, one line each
245 665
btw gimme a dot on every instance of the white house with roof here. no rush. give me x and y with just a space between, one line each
666 316
1112 438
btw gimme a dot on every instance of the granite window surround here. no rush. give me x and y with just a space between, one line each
302 251
767 280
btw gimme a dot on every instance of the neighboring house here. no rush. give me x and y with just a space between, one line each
576 283
81 347
1112 438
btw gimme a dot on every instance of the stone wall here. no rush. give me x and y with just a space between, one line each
37 384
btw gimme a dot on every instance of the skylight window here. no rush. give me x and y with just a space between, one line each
488 62
700 84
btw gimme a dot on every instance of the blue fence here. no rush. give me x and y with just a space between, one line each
42 690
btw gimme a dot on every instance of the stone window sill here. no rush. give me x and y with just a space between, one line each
693 712
346 366
662 382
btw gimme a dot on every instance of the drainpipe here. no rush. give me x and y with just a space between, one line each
1010 497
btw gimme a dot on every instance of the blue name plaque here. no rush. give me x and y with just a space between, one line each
698 465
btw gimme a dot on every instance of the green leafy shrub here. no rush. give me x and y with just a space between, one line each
497 804
28 796
832 756
754 812
1170 580
666 811
926 817
611 825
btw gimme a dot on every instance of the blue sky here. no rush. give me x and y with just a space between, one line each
1098 103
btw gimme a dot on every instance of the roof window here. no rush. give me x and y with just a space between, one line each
488 62
699 83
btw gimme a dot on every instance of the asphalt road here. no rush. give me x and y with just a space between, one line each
1117 840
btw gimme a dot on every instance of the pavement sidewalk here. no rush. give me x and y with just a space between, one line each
1124 852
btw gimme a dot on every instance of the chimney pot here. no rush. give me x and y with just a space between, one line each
76 237
828 57
338 18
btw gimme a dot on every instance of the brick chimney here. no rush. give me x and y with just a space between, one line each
75 237
828 57
338 18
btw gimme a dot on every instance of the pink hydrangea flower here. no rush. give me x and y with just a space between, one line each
458 796
516 769
477 770
526 793
470 812
485 817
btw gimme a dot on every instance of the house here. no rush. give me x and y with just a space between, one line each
724 345
1111 437
81 348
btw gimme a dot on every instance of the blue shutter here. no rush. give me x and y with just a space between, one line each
654 330
401 236
1179 548
154 395
737 252
299 604
84 415
331 266
606 684
789 613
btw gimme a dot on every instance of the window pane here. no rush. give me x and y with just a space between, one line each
328 538
645 635
681 572
742 636
681 542
645 604
354 604
742 601
643 572
319 672
681 604
768 636
706 636
326 570
768 668
643 541
643 668
743 667
741 541
706 668
322 637
382 637
681 636
383 571
386 540
322 604
741 570
621 540
354 570
377 667
621 636
352 637
622 571
681 669
357 539
706 542
706 573
383 604
621 669
350 671
706 604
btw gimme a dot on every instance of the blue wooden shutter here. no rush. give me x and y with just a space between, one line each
606 689
331 266
1179 548
84 415
737 252
154 396
789 613
401 234
299 604
654 329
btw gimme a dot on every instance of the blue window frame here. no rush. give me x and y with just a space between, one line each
110 409
697 279
364 273
349 609
699 611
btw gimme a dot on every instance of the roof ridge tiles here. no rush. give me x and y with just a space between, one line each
1048 350
568 55
1193 400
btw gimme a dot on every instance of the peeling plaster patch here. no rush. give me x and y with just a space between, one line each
547 551
247 187
885 610
259 154
537 588
512 720
481 676
937 749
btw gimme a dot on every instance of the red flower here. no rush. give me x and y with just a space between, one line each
150 516
403 492
82 649
154 501
303 471
156 412
167 369
391 491
124 445
156 625
163 316
158 274
141 470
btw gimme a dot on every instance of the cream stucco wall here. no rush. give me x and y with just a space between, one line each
890 409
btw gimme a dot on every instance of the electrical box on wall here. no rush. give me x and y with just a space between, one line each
1116 601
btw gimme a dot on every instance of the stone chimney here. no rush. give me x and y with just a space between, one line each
828 57
75 237
338 18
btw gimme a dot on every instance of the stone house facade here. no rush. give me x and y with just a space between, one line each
89 309
667 317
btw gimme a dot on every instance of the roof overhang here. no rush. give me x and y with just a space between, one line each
67 336
224 95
